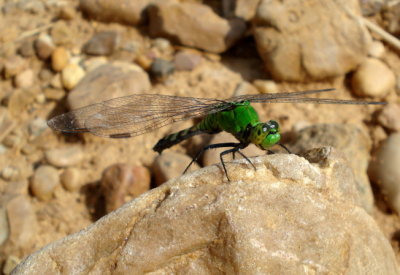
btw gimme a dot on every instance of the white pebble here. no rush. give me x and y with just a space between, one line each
71 75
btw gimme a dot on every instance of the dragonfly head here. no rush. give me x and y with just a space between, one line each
265 135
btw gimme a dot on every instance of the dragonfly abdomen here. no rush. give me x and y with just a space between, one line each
206 126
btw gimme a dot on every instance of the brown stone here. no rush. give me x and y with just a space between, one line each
310 39
195 25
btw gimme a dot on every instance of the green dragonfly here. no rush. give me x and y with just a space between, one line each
129 116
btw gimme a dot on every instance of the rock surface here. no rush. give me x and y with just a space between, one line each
128 12
384 170
121 183
287 217
195 25
373 78
109 81
352 142
295 49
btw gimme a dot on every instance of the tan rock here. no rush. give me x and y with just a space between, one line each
353 142
170 165
109 81
287 217
128 12
373 78
122 182
309 40
195 25
71 75
384 170
246 9
59 59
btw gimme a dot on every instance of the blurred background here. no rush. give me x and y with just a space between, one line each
57 56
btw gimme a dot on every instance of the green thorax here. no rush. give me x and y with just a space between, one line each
234 120
242 121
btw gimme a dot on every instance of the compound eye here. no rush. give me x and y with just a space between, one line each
273 124
265 129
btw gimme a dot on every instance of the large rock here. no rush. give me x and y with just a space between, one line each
124 11
109 81
288 217
310 39
195 25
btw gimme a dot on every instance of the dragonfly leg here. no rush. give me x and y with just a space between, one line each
284 147
270 152
233 150
246 158
208 147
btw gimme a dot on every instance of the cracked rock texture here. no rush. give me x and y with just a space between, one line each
300 40
287 217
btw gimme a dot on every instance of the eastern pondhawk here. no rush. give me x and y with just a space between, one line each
134 115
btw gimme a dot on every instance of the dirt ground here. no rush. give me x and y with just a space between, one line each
216 77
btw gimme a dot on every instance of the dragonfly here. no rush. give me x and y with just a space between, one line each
134 115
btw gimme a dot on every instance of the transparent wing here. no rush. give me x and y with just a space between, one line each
294 97
134 115
137 114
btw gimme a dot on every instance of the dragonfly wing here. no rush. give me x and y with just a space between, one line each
134 115
296 97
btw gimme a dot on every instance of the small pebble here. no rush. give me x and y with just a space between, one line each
4 226
44 46
59 59
62 34
32 6
163 45
9 173
94 62
40 98
376 49
44 181
45 75
54 94
13 66
160 69
71 75
123 182
186 61
373 78
144 61
24 79
71 179
67 13
102 43
13 140
7 123
384 169
10 263
37 126
3 149
28 149
170 165
266 86
245 88
26 49
19 101
390 117
55 81
22 221
64 157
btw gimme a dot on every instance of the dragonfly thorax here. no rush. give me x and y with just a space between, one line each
265 135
